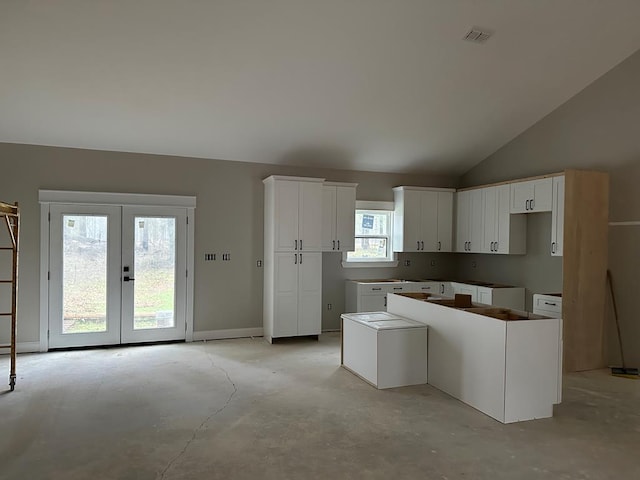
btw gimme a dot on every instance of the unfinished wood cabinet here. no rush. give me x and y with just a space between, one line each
584 268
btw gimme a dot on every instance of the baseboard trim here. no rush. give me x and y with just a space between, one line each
229 333
23 347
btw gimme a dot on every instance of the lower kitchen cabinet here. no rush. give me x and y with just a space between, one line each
297 308
510 370
371 295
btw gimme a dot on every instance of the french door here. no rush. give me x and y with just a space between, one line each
117 274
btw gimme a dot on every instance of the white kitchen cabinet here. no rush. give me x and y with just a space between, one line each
548 305
371 295
385 350
531 196
503 233
297 213
426 287
469 221
507 297
292 303
338 216
298 294
557 217
510 370
423 219
465 289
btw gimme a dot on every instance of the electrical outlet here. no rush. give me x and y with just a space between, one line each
329 306
433 263
407 263
259 263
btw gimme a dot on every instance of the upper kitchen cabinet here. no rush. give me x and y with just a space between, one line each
338 216
469 221
297 210
423 219
531 196
557 217
503 233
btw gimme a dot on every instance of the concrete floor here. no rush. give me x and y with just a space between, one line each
244 409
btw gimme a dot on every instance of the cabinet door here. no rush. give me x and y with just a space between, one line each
464 289
446 290
328 218
373 303
476 221
531 196
309 293
411 225
429 221
490 205
345 218
462 220
542 195
485 295
521 195
286 215
445 221
557 217
310 217
286 295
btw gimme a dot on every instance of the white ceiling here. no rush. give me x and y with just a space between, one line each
376 85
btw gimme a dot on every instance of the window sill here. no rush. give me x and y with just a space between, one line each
380 264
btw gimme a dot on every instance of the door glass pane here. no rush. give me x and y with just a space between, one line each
154 268
84 298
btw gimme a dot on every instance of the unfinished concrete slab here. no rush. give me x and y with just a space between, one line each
244 409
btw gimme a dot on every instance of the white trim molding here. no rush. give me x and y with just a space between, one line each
24 347
230 333
624 224
108 198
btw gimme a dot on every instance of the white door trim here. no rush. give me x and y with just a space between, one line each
48 197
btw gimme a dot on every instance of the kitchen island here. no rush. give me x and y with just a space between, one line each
505 363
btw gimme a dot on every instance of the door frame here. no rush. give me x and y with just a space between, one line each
49 197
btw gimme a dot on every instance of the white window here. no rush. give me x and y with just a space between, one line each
374 223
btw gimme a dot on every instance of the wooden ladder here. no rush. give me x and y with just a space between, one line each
11 216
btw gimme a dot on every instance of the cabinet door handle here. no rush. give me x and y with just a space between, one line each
300 244
397 288
300 259
532 203
425 288
422 242
334 244
439 246
418 245
295 258
469 246
296 245
385 300
442 288
338 244
526 205
552 304
553 247
496 247
376 288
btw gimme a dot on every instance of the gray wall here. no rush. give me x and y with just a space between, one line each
229 218
596 129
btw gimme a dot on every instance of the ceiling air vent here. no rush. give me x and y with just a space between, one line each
477 35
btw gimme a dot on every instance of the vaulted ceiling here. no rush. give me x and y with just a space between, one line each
375 85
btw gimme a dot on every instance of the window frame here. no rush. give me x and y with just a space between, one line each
392 259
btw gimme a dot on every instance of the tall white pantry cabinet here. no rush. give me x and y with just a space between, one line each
292 256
